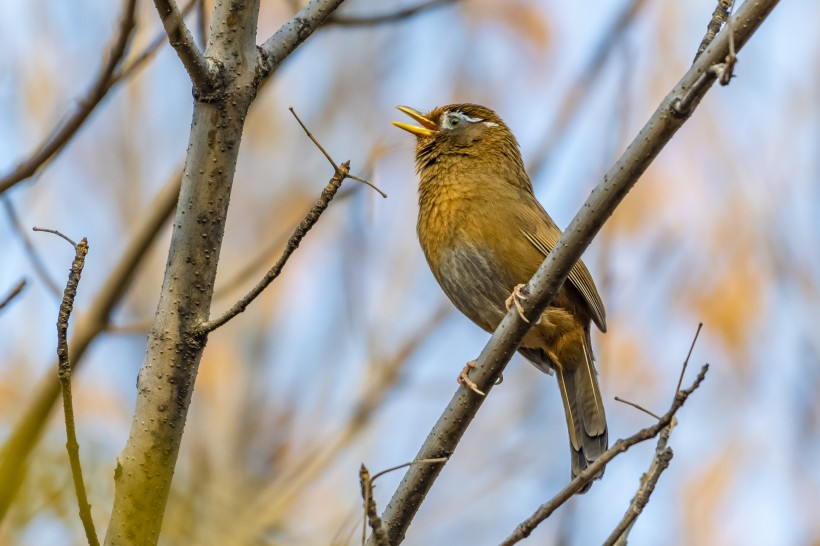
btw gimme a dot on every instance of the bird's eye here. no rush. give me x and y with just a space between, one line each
453 121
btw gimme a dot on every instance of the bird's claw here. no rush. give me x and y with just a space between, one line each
465 381
515 299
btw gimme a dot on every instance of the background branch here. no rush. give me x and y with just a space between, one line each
448 430
545 510
60 136
13 293
392 17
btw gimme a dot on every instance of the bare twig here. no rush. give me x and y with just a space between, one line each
660 462
33 256
370 513
330 159
545 510
688 355
13 293
64 131
392 17
57 233
622 176
64 375
637 407
202 72
340 173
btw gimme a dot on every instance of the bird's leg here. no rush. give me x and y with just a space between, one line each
515 299
465 381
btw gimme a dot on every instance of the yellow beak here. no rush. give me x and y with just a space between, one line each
427 129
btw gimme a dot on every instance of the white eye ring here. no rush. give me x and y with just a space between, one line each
454 119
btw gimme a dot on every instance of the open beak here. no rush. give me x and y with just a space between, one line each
428 128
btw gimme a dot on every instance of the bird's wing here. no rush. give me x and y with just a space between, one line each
544 239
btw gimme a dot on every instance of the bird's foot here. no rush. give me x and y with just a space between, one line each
465 381
515 299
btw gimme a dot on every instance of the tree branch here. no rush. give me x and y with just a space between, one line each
293 33
545 510
392 17
660 462
202 72
64 376
464 405
63 132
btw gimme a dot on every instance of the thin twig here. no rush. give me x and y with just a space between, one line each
341 172
55 232
13 293
660 462
689 354
370 513
636 406
64 375
33 256
61 134
581 480
302 229
435 460
327 155
393 17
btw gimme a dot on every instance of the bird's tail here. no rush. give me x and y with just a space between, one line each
586 420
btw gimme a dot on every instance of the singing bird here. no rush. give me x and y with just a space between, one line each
484 234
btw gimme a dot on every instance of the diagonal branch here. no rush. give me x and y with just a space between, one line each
340 173
545 510
657 132
61 135
293 33
660 462
663 455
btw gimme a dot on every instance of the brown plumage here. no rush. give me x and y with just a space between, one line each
483 233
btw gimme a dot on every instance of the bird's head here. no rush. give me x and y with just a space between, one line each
466 130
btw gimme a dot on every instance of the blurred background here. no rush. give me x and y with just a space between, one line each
352 354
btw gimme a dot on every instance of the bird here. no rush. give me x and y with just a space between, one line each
484 234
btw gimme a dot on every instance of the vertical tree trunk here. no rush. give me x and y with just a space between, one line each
166 381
